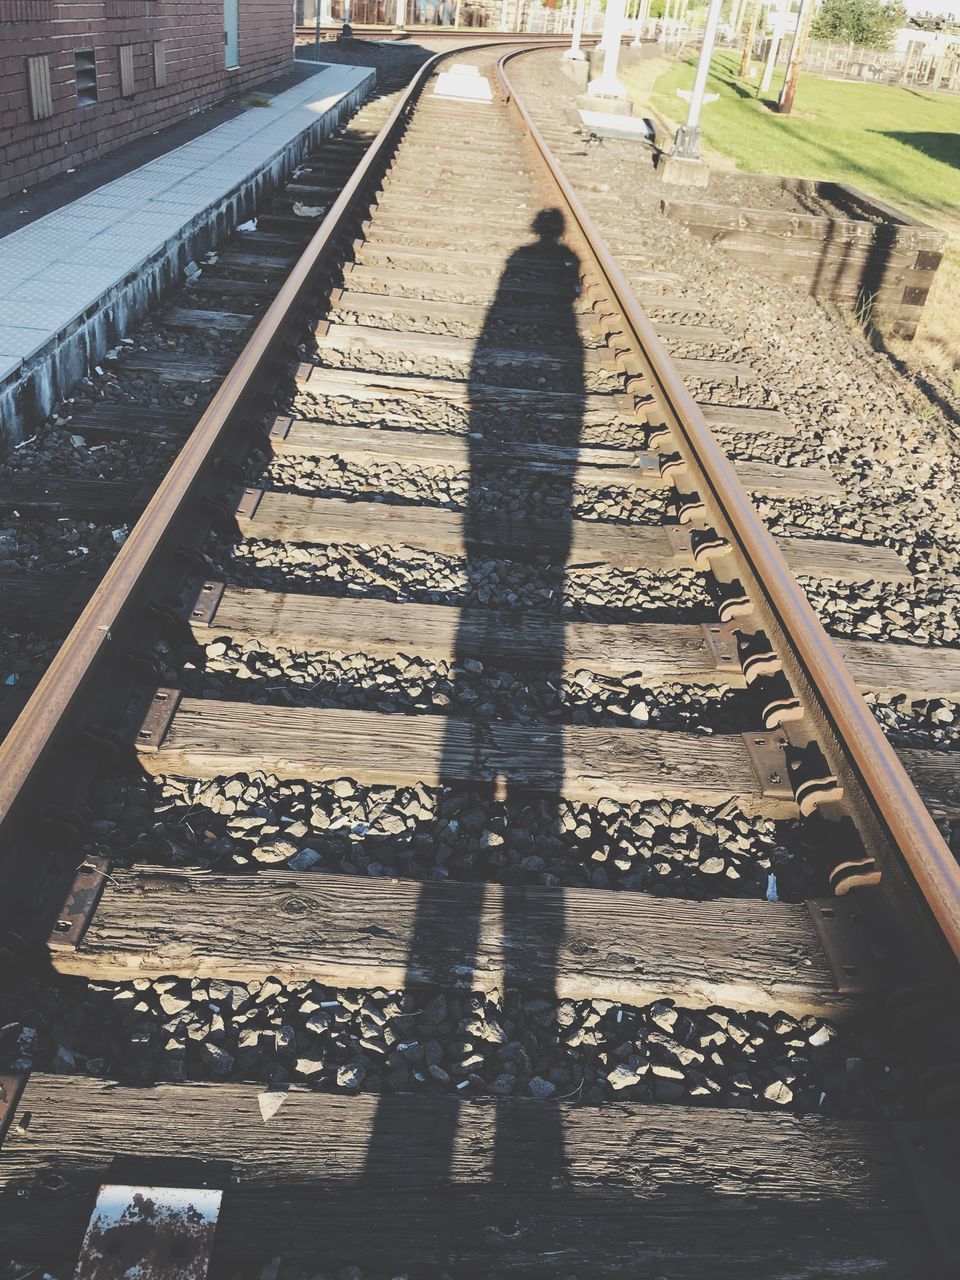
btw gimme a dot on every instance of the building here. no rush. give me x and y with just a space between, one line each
80 77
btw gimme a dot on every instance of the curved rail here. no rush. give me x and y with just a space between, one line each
895 800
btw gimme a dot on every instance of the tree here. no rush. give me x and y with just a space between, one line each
868 23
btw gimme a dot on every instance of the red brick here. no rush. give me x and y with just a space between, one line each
196 75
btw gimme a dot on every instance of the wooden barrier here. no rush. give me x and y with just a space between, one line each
876 260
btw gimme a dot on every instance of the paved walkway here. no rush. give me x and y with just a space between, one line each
55 269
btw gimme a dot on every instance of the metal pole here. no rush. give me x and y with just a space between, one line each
575 51
687 142
607 85
785 101
316 32
776 36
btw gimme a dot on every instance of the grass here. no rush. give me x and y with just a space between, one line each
901 145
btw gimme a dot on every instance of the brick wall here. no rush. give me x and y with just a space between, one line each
196 75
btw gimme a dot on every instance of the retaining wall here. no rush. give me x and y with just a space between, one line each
876 260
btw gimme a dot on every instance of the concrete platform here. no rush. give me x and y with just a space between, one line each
73 282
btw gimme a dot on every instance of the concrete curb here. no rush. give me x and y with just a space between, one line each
31 388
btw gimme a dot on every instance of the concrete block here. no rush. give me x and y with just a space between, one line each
463 86
610 125
604 105
578 70
682 173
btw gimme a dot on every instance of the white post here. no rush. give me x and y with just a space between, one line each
641 12
607 85
779 22
575 52
401 17
503 15
592 18
687 143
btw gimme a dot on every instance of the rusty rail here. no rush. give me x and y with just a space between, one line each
895 801
90 638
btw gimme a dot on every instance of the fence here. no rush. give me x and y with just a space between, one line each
919 65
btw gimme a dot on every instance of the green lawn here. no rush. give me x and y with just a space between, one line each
900 144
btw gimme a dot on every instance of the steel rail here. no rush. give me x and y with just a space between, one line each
91 636
895 800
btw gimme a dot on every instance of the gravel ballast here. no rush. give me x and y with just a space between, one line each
893 450
435 1041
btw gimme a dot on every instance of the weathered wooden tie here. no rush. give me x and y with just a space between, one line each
268 514
352 932
203 738
367 1179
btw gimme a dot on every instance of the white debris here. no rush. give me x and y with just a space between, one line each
270 1102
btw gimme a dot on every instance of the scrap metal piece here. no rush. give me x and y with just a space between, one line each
150 1233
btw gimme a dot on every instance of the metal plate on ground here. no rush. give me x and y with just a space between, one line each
149 1233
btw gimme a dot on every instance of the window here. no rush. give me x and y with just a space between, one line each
159 64
126 71
38 83
86 72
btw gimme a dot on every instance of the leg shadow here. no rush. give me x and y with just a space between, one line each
522 321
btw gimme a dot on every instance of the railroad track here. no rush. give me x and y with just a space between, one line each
425 835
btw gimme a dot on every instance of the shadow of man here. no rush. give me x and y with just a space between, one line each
530 325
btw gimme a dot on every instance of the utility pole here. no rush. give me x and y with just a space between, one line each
607 85
575 52
749 38
797 50
775 38
687 142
